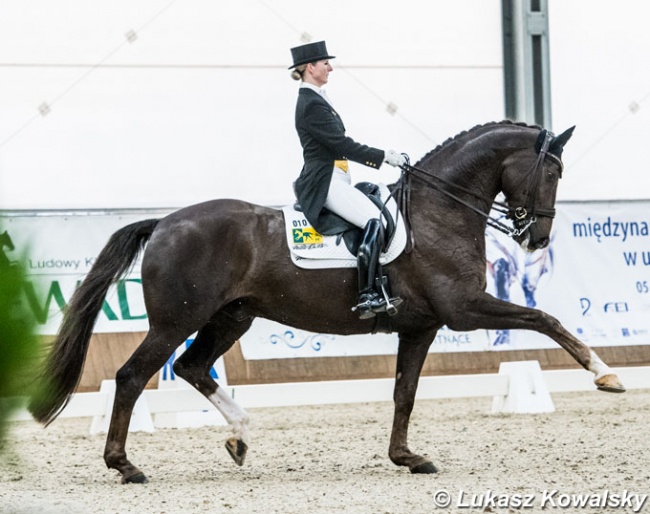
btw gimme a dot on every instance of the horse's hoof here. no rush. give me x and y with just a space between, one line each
610 383
237 450
138 478
424 468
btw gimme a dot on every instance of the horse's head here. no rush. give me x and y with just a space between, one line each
529 181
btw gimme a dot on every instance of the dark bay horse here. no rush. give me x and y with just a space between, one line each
215 266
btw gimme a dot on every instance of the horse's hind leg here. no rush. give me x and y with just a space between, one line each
410 358
194 365
130 380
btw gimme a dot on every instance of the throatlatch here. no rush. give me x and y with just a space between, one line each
374 293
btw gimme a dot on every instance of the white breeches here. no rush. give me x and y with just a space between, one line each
348 202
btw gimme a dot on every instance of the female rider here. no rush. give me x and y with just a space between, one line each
324 188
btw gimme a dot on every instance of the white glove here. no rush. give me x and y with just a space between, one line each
394 159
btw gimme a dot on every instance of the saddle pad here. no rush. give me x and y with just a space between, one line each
311 250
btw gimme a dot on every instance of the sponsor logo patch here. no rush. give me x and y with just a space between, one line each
306 235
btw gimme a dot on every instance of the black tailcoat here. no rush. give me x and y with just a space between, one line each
322 136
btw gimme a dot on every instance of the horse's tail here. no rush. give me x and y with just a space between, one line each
64 364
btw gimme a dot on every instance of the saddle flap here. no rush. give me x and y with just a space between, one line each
312 250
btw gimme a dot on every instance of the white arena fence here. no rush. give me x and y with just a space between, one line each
519 387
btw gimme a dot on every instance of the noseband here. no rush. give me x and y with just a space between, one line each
522 217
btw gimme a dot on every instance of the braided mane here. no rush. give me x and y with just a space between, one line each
473 129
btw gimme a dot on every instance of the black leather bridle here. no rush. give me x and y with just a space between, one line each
522 216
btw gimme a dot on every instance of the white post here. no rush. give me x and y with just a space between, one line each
140 418
527 390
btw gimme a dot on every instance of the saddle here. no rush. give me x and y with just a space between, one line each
311 250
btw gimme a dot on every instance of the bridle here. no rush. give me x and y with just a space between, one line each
522 216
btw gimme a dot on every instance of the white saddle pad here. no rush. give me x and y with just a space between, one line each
311 250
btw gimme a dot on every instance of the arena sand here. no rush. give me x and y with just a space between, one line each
333 459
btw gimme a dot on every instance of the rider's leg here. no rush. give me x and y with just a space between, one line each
370 301
348 202
352 205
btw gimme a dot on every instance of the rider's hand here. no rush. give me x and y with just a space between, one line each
394 159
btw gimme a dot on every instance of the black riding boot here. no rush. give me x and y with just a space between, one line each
370 300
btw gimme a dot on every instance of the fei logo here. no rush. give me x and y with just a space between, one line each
616 307
307 235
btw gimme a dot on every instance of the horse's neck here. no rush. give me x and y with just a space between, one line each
474 165
475 171
468 186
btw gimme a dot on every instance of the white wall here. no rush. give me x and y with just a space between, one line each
201 105
600 55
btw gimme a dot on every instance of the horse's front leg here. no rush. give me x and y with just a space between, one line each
490 313
411 354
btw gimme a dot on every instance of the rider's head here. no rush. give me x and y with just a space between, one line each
311 63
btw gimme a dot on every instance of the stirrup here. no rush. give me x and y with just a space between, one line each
391 303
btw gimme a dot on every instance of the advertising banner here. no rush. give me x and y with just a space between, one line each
58 251
594 278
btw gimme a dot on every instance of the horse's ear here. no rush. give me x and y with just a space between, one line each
540 140
557 145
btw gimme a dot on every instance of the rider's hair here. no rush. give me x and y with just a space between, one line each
298 71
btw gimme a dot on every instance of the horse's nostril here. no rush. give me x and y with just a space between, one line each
542 243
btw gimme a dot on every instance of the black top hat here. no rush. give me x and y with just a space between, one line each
310 52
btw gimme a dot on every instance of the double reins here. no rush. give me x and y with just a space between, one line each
522 216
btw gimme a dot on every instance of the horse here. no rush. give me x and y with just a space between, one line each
213 267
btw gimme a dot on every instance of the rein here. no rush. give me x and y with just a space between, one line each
522 217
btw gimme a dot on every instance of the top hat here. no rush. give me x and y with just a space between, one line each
311 52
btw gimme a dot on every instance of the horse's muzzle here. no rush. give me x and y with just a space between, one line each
541 243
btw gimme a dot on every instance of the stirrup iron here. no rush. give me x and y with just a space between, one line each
391 303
